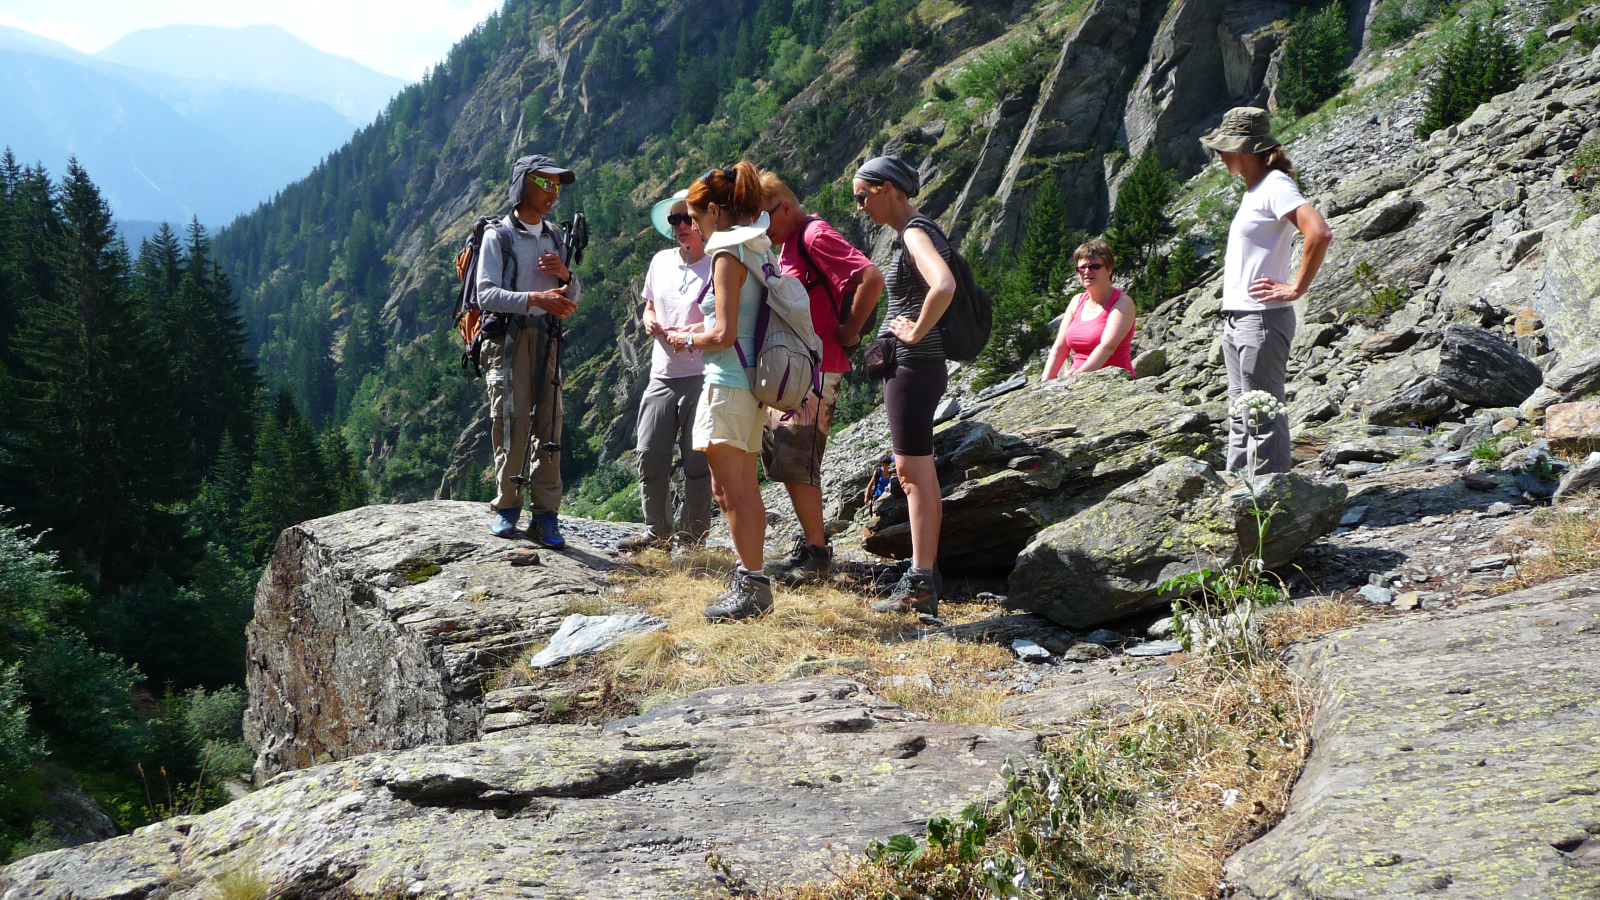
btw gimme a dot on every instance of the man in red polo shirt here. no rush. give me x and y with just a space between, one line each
844 286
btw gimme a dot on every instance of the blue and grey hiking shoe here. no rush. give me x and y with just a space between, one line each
505 523
546 529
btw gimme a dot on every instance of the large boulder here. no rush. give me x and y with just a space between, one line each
1032 457
376 629
784 779
1110 560
1470 366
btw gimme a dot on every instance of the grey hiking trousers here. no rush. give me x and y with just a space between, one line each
666 419
1255 347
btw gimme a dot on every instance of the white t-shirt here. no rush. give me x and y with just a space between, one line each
672 286
1260 242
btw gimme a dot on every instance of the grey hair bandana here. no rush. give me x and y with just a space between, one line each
891 169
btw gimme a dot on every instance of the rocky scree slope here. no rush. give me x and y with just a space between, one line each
1485 249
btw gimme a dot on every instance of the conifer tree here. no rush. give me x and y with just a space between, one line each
1138 225
1479 63
99 430
288 483
1314 58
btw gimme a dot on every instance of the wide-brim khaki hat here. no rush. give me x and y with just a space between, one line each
1244 129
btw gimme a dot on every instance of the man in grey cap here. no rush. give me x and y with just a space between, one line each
532 289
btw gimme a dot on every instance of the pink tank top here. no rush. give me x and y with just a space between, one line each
1083 337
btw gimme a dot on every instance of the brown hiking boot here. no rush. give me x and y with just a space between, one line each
805 564
641 542
916 593
748 594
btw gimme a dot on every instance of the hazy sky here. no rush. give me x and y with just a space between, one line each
401 37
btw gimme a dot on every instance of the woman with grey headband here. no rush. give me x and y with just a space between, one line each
920 285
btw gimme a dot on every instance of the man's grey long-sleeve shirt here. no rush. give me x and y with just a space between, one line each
528 243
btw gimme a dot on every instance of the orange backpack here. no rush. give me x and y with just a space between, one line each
471 321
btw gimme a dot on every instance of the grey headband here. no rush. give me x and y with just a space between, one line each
891 169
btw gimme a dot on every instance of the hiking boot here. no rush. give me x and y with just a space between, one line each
641 542
917 592
545 529
797 556
748 594
806 565
505 523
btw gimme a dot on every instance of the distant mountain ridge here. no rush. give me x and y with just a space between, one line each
165 146
264 55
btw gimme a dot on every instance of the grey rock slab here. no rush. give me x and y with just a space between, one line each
1481 369
558 812
375 629
1154 648
1584 477
827 703
947 410
1150 363
1353 516
1088 435
1454 756
1378 596
580 635
1110 560
1028 651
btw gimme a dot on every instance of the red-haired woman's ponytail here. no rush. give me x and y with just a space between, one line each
737 190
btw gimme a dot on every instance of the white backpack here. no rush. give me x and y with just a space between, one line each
788 351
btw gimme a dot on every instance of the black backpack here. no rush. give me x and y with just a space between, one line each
966 324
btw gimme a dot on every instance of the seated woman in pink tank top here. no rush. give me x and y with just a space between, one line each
1097 330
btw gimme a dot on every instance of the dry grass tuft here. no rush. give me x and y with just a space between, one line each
812 630
1573 540
1155 801
1282 626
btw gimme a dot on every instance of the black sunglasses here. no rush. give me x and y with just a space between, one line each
1090 267
677 219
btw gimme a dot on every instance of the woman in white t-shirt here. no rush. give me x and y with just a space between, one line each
677 281
1257 295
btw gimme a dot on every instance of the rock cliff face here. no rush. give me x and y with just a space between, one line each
377 629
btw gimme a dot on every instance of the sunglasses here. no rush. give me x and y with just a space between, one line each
548 185
677 219
1090 267
861 197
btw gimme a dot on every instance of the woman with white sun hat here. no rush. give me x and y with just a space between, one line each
677 280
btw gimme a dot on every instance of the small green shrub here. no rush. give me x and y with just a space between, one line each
1314 59
1015 68
610 492
1382 299
1398 20
1486 450
887 29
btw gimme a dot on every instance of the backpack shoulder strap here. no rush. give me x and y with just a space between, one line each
508 253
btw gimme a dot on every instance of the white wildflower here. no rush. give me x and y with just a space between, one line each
1257 407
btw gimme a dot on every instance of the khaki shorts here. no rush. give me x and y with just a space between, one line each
728 415
794 441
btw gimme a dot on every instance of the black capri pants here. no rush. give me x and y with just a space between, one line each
911 396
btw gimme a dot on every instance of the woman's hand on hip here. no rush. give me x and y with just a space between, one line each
1265 290
905 330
